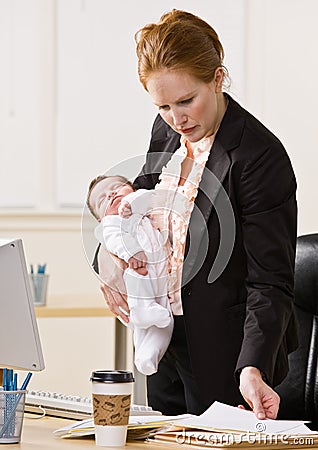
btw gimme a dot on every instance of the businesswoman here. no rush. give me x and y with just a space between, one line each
234 320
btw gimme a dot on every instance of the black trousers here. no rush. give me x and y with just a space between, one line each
173 388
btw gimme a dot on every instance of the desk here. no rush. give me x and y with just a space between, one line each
37 434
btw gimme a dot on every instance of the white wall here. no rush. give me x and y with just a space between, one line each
281 88
71 106
73 347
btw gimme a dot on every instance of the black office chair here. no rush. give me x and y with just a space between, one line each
299 391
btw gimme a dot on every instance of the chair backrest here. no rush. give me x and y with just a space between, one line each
299 391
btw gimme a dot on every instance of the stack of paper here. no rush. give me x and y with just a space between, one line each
219 426
140 427
226 426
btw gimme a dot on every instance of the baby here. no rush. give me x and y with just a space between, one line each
126 231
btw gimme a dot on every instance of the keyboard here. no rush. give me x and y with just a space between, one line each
71 406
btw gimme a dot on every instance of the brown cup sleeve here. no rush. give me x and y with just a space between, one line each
111 409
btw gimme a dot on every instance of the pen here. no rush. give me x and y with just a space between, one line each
10 398
26 381
4 382
10 380
41 268
15 382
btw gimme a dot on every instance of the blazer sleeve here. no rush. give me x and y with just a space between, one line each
267 195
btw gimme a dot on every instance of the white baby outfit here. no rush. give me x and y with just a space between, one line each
150 312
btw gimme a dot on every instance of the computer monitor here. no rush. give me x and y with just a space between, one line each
20 346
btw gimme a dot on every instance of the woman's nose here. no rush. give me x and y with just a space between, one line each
179 118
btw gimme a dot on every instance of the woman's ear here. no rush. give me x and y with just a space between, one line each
218 79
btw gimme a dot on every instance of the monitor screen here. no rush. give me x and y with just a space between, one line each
20 346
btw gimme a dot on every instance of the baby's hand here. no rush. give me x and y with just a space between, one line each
138 261
124 209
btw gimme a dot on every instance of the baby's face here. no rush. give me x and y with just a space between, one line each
106 196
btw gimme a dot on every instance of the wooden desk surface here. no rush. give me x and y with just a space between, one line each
52 311
37 434
78 306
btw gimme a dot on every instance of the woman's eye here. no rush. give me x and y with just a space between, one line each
164 108
186 101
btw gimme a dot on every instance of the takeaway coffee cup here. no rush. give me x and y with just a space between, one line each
111 392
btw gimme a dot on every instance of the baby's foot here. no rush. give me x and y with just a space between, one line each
147 367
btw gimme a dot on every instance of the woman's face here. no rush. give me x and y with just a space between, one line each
190 106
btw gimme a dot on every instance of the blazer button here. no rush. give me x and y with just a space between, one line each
186 291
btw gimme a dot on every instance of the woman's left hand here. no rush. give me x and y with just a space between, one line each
263 400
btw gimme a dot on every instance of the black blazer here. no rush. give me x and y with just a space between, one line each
238 278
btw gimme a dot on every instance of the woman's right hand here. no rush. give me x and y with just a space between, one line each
262 399
111 270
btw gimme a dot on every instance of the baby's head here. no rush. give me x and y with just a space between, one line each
105 194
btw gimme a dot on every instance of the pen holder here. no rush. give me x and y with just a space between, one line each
11 416
39 282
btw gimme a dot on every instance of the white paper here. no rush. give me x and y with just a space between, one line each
224 417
